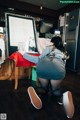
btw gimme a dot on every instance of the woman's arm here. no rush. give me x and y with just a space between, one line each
46 52
35 59
31 58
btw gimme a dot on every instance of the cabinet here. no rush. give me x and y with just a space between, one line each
73 19
72 39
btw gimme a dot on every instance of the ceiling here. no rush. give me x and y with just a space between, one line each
51 8
51 4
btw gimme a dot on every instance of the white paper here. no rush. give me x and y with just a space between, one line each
62 20
21 33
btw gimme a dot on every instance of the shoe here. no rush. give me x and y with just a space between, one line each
68 104
60 102
35 100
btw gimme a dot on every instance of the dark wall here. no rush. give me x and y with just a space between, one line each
26 8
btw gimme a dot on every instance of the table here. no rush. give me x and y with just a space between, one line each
21 62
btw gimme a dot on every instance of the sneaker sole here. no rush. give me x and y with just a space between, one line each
60 103
35 100
68 104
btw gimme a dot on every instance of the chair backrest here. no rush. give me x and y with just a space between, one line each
2 50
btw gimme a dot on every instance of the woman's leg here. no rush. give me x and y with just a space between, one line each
43 82
55 86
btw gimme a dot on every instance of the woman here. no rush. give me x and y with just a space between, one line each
50 68
50 65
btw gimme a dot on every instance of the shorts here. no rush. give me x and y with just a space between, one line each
52 70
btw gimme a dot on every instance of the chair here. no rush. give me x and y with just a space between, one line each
2 50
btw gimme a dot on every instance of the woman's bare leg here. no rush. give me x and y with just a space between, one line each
43 82
55 84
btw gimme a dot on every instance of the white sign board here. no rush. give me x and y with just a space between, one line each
21 32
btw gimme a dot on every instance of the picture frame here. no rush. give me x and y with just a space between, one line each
20 33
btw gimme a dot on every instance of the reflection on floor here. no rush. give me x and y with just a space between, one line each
17 106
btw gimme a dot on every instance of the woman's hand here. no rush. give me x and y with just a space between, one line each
66 56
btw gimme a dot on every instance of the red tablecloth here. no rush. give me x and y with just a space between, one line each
20 61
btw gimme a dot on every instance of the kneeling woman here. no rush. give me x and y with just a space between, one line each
50 67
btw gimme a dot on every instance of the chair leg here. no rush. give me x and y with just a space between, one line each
16 78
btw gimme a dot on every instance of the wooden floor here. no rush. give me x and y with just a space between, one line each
17 106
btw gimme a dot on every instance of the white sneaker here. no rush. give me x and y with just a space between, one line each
35 100
60 102
68 104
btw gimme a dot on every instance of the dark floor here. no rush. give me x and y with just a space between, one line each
17 106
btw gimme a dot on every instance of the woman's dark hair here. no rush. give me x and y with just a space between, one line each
58 43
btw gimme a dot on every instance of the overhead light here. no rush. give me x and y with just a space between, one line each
41 7
11 9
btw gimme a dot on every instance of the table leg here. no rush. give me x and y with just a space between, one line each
30 72
37 82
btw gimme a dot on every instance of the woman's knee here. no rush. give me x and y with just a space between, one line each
55 84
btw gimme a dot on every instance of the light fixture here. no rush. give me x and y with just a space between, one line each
41 7
11 9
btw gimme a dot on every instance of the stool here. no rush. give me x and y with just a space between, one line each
34 76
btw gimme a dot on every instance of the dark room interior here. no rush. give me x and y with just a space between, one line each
28 26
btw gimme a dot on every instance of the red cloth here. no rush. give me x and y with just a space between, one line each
20 61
